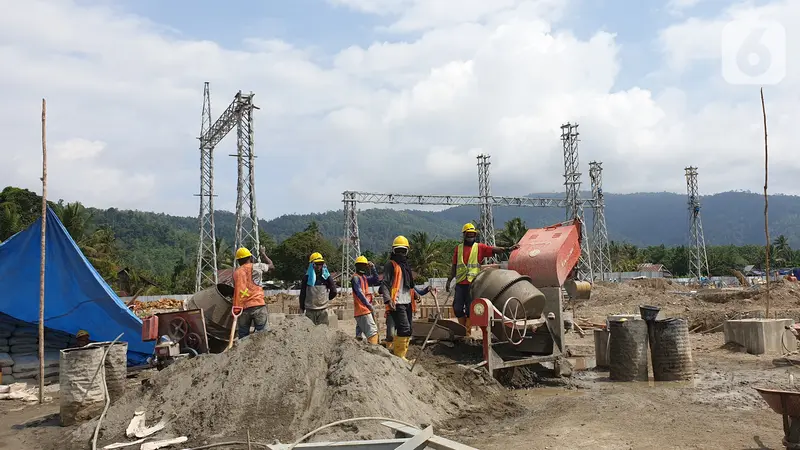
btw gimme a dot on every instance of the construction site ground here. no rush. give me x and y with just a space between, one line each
720 409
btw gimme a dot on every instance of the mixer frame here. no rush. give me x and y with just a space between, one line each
484 315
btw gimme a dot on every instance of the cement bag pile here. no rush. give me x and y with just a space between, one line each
287 382
19 349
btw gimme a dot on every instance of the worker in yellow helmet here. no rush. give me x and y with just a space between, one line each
248 292
82 338
467 259
397 289
317 289
363 310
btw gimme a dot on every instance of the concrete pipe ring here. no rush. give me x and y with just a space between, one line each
513 312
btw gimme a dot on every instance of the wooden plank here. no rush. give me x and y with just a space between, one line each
434 442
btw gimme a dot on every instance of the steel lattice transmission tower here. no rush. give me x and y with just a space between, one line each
572 182
207 248
238 114
698 258
485 192
246 216
601 255
351 245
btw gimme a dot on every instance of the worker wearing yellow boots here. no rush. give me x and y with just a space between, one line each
362 299
467 259
396 288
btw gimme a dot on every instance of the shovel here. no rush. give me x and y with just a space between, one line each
236 311
435 323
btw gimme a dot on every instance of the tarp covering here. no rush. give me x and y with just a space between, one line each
76 296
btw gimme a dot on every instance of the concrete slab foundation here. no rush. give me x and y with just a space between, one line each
760 336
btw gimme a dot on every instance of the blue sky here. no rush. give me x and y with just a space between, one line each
353 90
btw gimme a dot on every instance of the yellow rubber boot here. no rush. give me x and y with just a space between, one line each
401 346
373 339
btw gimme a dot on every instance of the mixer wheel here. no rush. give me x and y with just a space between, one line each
177 328
193 341
513 312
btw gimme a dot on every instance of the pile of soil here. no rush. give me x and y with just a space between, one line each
287 382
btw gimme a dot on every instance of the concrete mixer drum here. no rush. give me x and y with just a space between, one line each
514 313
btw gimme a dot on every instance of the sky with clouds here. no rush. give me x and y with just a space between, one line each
394 96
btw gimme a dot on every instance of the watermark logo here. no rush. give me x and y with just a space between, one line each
753 52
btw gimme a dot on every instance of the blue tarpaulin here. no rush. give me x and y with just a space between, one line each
75 296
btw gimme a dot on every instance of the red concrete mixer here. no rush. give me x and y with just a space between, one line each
519 309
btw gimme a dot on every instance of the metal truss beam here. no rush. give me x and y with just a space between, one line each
460 200
246 216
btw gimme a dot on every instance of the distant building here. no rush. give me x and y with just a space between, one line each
654 268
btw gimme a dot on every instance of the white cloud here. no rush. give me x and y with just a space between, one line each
407 114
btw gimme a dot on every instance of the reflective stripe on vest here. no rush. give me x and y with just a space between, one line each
246 293
360 309
469 270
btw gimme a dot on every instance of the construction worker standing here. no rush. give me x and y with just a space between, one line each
362 299
416 297
396 289
317 289
467 258
248 295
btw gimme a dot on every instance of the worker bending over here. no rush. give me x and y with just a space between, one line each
82 338
317 289
362 299
396 289
248 293
467 259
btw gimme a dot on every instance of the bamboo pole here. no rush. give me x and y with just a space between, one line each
41 266
766 199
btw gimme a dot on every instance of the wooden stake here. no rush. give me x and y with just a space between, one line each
41 267
766 199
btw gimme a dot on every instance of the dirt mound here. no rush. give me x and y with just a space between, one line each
284 383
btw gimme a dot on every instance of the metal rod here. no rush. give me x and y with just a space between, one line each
41 266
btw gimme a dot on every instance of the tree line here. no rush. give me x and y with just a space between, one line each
160 258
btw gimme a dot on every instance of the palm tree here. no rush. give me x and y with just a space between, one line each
75 219
425 255
783 252
224 254
10 220
512 233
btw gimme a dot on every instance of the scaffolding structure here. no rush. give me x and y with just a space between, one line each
575 210
601 254
698 258
238 114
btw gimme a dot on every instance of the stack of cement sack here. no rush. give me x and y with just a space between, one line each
19 349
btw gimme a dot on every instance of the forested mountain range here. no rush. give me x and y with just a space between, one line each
158 243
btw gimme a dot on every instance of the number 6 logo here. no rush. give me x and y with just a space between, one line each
753 52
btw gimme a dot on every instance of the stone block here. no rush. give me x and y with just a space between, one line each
760 336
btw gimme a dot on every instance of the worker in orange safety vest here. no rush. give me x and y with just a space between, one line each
248 296
397 289
363 310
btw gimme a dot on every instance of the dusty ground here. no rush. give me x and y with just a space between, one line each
718 410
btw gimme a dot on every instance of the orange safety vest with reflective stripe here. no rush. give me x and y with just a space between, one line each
246 293
360 309
398 278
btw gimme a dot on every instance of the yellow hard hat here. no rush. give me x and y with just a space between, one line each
400 241
316 257
362 260
243 253
81 333
468 228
